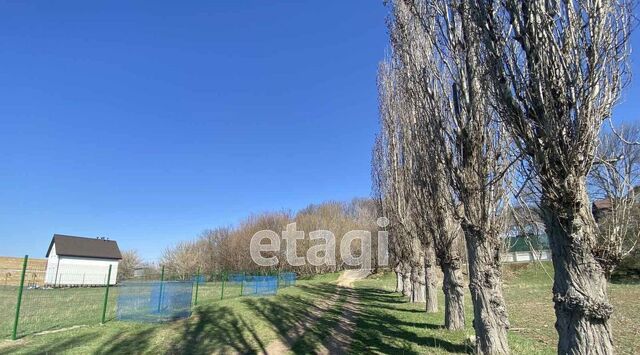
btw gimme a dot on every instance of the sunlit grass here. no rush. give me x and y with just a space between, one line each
386 322
390 324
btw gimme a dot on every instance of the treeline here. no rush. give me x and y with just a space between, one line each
488 105
226 249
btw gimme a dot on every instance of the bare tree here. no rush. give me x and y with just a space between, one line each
126 267
615 181
395 174
444 228
451 98
557 70
182 260
430 189
382 193
209 244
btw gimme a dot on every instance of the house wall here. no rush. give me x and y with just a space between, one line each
525 256
78 271
52 264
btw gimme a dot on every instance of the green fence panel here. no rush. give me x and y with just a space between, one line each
54 299
14 334
66 297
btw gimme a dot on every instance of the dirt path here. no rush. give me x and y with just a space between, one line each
340 337
339 340
284 344
347 277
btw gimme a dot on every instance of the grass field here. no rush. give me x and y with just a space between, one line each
241 324
48 309
389 324
386 323
44 309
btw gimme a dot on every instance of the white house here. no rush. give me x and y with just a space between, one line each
77 261
525 256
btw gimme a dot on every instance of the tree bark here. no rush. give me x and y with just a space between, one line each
418 280
407 288
580 288
399 284
418 277
453 287
490 320
431 280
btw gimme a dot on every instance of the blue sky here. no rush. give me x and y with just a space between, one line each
148 123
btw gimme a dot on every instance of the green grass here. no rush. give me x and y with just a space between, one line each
48 309
388 324
239 324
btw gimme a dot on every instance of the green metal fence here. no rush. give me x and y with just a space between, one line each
47 298
43 298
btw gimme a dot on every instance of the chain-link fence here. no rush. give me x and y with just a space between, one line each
36 297
154 301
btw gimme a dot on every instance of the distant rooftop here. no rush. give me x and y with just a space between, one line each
99 248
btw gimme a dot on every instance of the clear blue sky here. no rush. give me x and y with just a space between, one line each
148 123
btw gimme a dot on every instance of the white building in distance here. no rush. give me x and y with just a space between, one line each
79 261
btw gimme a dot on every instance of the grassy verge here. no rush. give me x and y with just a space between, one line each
389 324
242 324
49 309
386 322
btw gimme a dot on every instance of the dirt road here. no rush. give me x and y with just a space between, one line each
340 336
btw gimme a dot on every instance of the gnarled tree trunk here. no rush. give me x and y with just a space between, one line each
453 287
399 277
418 281
431 280
418 278
490 320
580 287
407 287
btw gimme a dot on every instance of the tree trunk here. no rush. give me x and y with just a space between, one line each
407 288
399 284
580 288
431 280
453 287
418 280
490 320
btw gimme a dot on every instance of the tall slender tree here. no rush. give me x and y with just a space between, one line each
394 175
450 96
557 68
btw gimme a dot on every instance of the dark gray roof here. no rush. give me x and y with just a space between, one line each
604 204
67 245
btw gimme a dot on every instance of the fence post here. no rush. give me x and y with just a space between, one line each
242 284
195 302
14 335
106 296
222 291
161 286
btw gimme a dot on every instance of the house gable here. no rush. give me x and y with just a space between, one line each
95 248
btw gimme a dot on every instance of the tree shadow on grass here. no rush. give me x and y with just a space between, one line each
375 327
214 328
127 342
303 323
288 314
55 347
299 321
211 328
